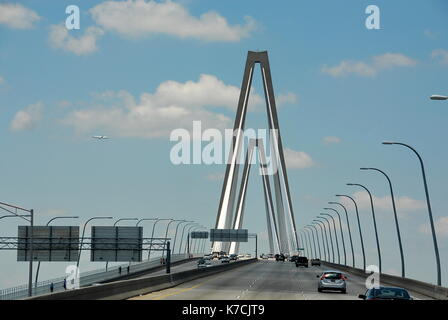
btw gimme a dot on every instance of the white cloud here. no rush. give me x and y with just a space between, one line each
27 118
297 159
173 105
139 18
60 38
441 55
286 98
16 16
369 69
441 226
331 140
404 204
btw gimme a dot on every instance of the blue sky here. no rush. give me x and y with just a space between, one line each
335 78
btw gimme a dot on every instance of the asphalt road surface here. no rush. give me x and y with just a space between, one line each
264 280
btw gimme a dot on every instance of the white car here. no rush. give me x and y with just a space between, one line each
225 259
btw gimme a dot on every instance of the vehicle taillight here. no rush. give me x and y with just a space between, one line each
322 278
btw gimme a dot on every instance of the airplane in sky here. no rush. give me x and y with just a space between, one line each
100 137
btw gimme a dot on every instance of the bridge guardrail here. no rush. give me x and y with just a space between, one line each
424 288
125 289
86 278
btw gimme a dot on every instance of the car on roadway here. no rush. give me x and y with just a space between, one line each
233 257
386 293
271 256
225 259
293 258
248 255
302 262
332 280
280 257
208 257
203 263
315 262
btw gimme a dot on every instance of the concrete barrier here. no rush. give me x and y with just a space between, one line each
424 288
125 289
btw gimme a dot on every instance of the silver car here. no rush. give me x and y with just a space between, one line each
332 280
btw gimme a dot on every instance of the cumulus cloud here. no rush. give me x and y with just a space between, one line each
16 16
404 204
297 159
441 55
60 38
286 98
332 140
369 69
27 118
441 226
139 18
154 115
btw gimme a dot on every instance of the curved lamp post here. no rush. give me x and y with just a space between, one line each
348 227
49 221
188 243
428 203
335 235
374 221
331 237
166 234
307 239
115 224
322 224
182 236
359 228
342 233
314 240
314 223
313 227
152 235
396 218
175 234
82 236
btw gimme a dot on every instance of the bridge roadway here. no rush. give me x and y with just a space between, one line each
264 280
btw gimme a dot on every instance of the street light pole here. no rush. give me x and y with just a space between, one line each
322 236
326 237
307 243
348 227
182 236
152 235
314 240
175 234
115 223
374 221
335 235
359 228
82 237
342 233
331 237
396 218
38 264
313 227
428 203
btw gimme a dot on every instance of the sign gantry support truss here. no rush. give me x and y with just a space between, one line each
282 230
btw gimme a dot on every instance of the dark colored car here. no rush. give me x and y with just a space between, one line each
386 293
280 257
302 262
293 258
315 262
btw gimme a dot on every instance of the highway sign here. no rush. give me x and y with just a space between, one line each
50 243
199 235
116 244
229 235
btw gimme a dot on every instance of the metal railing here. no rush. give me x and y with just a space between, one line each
86 278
